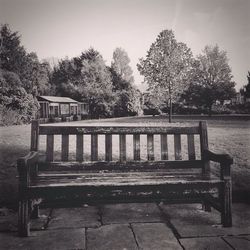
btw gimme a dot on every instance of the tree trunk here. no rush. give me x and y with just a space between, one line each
210 110
170 105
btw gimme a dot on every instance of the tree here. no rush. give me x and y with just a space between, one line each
14 58
122 79
87 79
120 65
166 68
14 97
246 88
212 79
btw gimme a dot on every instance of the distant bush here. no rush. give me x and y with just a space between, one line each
9 117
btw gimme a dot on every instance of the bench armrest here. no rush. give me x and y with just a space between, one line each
220 158
225 161
27 167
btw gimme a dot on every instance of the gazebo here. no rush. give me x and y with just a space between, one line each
61 108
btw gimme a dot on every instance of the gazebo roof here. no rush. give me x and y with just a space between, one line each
56 99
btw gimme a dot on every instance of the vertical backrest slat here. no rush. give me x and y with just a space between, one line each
94 147
177 146
65 147
191 148
136 142
164 147
122 139
204 146
50 148
79 147
34 135
108 147
150 147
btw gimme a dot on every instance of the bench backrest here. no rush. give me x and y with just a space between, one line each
73 129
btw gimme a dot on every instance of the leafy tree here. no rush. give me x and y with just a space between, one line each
86 78
120 65
122 79
246 88
14 58
14 97
212 79
166 68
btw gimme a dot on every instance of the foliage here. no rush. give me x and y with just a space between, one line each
128 98
212 79
120 65
246 88
14 97
87 79
34 75
166 67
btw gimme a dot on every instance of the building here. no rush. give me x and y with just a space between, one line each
64 108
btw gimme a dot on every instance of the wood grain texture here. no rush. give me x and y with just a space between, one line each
177 147
94 147
191 147
65 148
150 147
164 147
137 150
56 129
122 145
50 148
79 148
108 147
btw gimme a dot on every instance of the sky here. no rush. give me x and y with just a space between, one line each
60 28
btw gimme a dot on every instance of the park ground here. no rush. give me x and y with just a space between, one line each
131 226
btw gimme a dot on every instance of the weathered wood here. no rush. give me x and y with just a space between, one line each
50 148
79 147
122 144
126 166
204 147
150 147
226 199
23 218
74 129
34 135
191 148
177 147
108 147
136 142
94 147
65 147
164 147
124 181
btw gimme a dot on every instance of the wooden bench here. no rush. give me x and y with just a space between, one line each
123 180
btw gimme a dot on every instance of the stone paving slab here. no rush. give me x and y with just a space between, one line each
111 237
155 236
74 218
8 221
132 212
239 243
209 243
48 239
192 221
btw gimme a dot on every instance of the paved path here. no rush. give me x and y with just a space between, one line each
129 226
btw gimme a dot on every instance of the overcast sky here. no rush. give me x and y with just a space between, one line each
59 28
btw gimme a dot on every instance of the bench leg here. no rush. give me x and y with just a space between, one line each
35 212
226 202
206 205
23 218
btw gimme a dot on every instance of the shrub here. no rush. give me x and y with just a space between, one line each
9 117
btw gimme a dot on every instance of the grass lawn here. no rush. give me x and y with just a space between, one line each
232 137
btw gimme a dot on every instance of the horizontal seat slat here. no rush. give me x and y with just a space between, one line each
113 165
47 130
